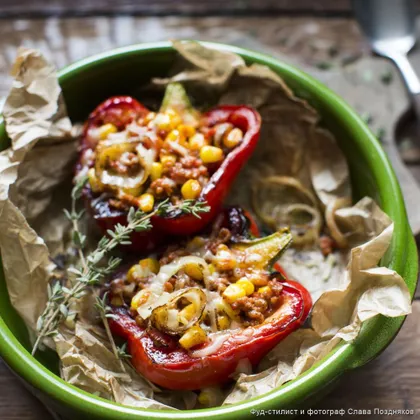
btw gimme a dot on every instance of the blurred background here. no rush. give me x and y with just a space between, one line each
321 37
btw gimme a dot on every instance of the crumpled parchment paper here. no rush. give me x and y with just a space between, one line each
34 188
39 129
87 362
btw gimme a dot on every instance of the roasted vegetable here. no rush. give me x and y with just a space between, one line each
135 157
196 337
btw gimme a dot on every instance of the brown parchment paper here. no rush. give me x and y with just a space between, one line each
35 116
348 287
88 362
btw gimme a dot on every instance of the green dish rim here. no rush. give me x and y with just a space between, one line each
378 332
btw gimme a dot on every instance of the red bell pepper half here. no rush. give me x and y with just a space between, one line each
122 110
160 359
249 121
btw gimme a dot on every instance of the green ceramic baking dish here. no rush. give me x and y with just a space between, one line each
88 82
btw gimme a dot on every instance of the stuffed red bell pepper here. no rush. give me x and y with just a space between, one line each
134 157
192 315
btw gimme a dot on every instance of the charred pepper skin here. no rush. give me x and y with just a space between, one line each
122 110
159 358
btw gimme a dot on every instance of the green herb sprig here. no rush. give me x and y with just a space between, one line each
104 311
92 269
194 207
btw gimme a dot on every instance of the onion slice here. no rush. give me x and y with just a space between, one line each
278 209
167 318
303 232
112 150
165 273
335 232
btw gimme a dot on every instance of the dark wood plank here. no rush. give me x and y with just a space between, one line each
29 8
389 382
306 41
16 402
169 7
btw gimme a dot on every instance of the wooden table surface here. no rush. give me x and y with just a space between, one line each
331 49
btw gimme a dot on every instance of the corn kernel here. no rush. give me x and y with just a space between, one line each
117 301
212 268
220 131
174 117
193 337
150 265
210 397
168 160
149 117
175 135
211 154
156 171
246 285
186 130
197 141
233 138
187 313
225 308
265 290
167 120
234 292
162 122
194 271
140 298
223 322
94 182
146 202
105 130
259 281
224 259
204 398
135 273
191 189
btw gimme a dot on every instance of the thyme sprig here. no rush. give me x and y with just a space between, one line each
194 207
104 311
92 269
79 239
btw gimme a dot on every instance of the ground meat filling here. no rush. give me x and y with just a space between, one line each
223 236
172 253
178 282
255 308
188 167
163 187
175 175
127 165
227 266
180 158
